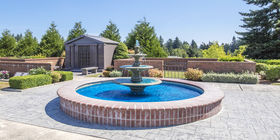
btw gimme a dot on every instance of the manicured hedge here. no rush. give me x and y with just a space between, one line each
272 73
28 81
231 58
245 78
66 75
261 67
115 73
268 61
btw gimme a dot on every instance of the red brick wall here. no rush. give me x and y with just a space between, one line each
182 64
55 61
14 67
24 65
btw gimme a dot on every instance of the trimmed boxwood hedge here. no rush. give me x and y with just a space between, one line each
245 78
273 73
66 75
28 81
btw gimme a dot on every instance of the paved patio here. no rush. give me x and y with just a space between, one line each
249 112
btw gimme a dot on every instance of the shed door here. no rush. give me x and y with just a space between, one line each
84 57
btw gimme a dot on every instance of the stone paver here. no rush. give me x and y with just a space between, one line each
249 112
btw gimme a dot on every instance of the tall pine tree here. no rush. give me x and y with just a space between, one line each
111 32
262 26
52 43
27 46
177 43
77 31
147 38
7 44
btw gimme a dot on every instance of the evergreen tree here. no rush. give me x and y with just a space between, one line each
147 38
111 32
77 31
169 45
121 51
193 50
18 37
161 41
262 35
52 43
7 44
27 46
193 44
177 43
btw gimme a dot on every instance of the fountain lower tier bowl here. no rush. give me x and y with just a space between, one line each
137 88
169 103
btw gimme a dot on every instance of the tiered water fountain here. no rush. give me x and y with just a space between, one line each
136 83
139 102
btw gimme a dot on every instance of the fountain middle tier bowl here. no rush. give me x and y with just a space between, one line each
141 67
145 82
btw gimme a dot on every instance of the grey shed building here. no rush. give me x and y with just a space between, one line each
89 51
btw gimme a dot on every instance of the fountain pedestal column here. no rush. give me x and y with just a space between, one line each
136 82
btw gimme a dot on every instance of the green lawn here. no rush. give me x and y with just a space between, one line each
4 85
94 75
174 74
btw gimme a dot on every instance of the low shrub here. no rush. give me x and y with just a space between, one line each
193 74
37 71
155 73
110 68
261 67
245 78
66 75
106 73
28 81
268 61
262 74
273 73
238 58
4 74
55 76
115 74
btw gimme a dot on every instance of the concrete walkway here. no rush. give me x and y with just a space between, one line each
249 112
19 131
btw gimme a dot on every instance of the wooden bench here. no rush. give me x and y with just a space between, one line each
86 70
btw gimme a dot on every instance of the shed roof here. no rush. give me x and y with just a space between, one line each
95 38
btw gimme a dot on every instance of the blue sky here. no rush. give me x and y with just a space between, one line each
201 20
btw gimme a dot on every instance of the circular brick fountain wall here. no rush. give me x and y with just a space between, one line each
141 114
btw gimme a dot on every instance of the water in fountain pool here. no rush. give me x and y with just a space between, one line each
166 91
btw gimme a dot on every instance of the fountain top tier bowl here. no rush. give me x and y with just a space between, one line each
140 67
